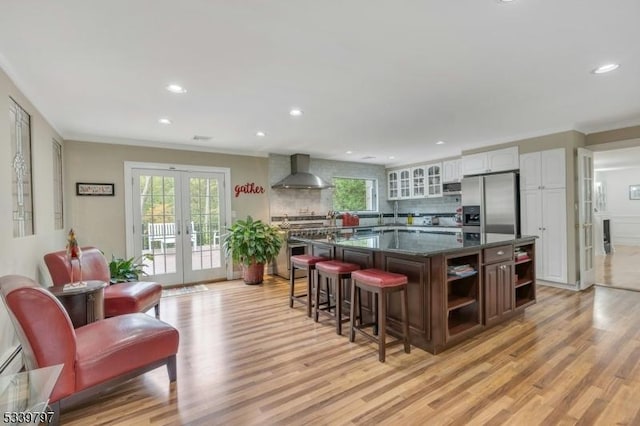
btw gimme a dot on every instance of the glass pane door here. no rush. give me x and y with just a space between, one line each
180 216
204 225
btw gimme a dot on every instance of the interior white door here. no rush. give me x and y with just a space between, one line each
585 217
531 223
554 231
177 221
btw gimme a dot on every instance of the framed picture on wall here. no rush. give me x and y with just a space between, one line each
94 189
634 192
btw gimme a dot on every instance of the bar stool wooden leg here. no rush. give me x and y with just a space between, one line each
405 319
355 300
292 280
382 325
339 293
311 274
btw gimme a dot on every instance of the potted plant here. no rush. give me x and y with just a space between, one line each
123 270
252 243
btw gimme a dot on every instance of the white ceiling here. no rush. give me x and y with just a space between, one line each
379 78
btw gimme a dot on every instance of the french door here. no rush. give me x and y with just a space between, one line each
585 217
177 220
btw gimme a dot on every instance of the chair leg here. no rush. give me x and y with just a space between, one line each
375 313
339 296
352 311
172 369
382 324
292 279
157 310
310 279
405 319
316 295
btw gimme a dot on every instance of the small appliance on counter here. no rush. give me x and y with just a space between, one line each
349 219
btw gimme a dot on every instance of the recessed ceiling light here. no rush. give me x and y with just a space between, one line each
349 152
605 68
261 134
440 143
295 112
392 157
164 121
176 88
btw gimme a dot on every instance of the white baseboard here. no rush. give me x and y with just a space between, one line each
565 286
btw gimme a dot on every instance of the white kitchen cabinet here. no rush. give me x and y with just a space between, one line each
434 179
543 211
405 183
543 170
418 182
452 170
399 184
498 160
393 185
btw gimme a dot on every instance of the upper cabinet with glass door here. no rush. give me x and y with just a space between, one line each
393 184
418 182
434 180
405 183
399 184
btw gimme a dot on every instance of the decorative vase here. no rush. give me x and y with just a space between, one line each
253 274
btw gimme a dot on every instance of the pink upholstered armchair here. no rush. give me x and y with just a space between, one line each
121 298
96 356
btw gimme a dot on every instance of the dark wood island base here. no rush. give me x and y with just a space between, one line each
455 291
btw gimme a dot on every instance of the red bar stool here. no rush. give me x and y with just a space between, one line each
334 273
379 283
307 262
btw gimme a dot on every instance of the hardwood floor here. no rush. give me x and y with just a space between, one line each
619 269
247 358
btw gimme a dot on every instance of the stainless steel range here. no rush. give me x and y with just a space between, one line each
282 265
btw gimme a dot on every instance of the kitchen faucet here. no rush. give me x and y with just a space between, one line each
395 212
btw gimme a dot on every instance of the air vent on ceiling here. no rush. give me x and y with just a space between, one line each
202 138
368 157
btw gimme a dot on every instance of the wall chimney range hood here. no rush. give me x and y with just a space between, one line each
300 178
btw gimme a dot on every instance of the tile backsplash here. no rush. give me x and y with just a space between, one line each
313 202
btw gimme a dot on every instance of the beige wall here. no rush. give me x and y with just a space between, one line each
23 256
100 221
617 135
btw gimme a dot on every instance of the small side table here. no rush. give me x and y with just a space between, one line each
24 396
83 304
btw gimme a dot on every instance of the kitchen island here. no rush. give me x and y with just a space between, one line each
459 283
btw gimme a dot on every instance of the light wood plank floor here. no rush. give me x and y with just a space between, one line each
246 358
619 269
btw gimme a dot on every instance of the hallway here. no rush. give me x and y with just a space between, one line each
620 269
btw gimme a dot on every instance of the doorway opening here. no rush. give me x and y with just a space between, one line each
617 217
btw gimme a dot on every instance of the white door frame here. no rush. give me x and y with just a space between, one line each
128 197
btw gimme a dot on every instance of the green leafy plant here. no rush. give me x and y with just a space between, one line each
252 241
123 270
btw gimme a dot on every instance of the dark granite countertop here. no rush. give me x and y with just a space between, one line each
417 243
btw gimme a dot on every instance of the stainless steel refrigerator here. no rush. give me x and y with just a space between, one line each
491 204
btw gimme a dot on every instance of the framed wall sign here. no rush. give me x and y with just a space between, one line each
95 189
634 192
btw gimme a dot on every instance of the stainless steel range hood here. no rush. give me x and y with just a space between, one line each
300 178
